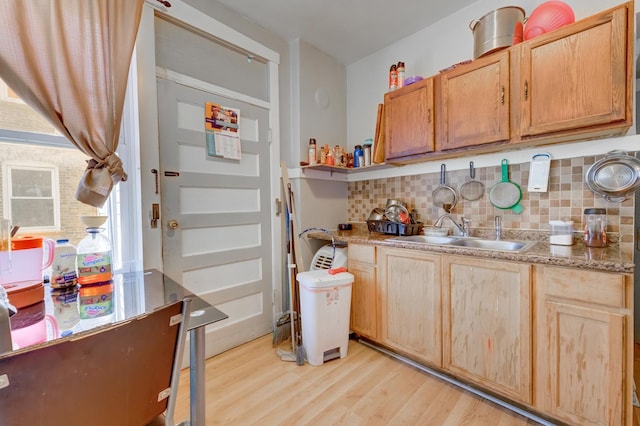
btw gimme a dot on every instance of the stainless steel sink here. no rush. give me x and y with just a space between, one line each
424 239
502 245
475 243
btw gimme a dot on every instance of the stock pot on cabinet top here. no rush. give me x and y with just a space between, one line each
496 30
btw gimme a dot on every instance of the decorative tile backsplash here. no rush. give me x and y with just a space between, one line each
566 199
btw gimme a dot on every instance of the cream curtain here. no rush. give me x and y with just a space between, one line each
69 60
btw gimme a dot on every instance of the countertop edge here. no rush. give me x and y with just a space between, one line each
539 254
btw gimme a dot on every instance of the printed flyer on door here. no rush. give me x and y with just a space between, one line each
222 130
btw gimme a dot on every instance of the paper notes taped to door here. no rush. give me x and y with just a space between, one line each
222 131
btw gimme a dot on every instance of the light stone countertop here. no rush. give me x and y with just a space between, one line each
610 258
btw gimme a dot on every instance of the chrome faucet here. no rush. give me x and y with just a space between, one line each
463 228
498 224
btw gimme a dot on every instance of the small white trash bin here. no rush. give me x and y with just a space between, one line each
325 306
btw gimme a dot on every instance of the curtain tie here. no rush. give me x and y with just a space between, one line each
113 164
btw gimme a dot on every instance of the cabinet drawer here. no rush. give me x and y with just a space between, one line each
362 253
600 288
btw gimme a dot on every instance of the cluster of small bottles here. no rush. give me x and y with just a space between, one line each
396 76
337 156
331 156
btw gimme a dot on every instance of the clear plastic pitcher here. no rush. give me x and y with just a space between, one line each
28 259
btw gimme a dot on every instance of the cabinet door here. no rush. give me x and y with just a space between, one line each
486 323
577 77
409 121
410 303
364 292
363 300
584 346
474 100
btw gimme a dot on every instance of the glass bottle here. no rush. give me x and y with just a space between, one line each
595 227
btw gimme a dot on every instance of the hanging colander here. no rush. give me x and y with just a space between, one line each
614 177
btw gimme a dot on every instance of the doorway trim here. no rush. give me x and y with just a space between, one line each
187 15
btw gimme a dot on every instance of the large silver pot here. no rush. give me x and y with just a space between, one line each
496 30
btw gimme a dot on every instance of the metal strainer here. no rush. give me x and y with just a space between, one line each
472 190
506 194
444 194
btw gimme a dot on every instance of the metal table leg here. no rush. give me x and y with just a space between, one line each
197 376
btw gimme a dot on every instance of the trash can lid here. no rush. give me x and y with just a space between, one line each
321 278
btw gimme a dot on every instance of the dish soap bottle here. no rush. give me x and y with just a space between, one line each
93 259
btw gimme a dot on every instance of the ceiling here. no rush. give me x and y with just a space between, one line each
347 30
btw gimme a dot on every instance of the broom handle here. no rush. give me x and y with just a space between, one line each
296 338
295 270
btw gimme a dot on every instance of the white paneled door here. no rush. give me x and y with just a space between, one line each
216 211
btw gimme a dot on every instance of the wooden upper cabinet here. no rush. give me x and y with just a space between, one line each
474 103
409 121
578 76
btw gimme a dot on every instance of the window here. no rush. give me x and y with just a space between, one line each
40 174
31 196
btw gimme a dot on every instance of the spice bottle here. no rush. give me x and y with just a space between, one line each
595 227
393 77
330 158
312 152
401 73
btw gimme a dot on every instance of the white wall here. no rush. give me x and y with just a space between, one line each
318 111
424 53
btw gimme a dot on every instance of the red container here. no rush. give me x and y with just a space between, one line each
549 16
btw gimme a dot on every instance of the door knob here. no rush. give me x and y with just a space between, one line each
173 224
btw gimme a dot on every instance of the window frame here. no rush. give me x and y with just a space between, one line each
8 197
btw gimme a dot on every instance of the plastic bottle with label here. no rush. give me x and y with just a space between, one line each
393 77
312 152
63 268
400 70
93 259
358 160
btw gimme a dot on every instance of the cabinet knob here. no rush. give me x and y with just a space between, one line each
502 95
526 90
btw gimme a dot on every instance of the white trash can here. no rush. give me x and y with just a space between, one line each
325 305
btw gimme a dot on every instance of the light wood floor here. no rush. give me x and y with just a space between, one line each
250 385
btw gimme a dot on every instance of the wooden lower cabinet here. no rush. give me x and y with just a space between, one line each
409 284
584 342
364 292
556 339
486 319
